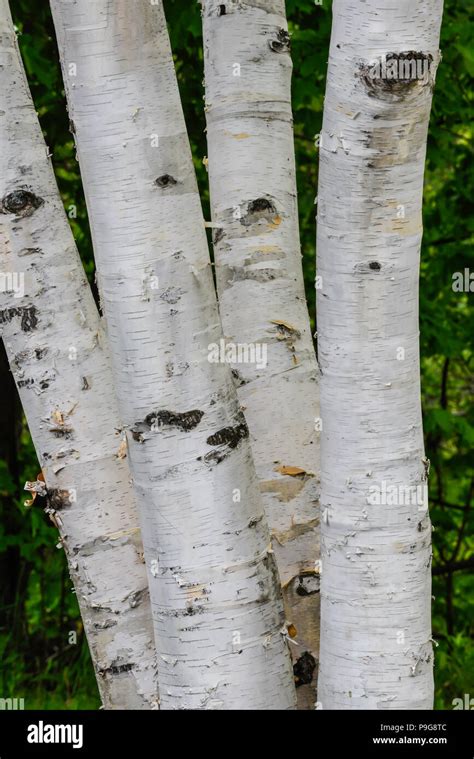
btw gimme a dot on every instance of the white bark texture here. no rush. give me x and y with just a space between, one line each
376 649
215 592
54 342
261 290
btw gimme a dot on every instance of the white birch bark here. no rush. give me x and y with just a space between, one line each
376 650
216 602
53 336
260 284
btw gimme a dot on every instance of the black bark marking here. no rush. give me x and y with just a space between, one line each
116 669
239 380
20 203
185 421
166 180
65 432
394 76
58 499
172 295
261 208
136 598
241 273
219 235
28 316
222 10
85 384
375 266
282 42
303 669
230 436
308 585
30 252
226 440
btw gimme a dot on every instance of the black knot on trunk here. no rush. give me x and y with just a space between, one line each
303 669
261 204
21 203
281 44
375 266
261 208
393 76
165 181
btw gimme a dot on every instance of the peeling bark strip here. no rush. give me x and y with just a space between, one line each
216 602
259 279
375 576
89 497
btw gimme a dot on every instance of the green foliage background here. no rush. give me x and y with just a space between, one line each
38 609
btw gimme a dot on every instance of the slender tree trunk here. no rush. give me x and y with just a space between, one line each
216 602
376 650
261 289
54 341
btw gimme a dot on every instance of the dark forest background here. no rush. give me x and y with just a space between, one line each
38 609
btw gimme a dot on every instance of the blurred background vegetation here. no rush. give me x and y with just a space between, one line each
38 609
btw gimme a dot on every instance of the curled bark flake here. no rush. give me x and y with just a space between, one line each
20 203
38 487
293 471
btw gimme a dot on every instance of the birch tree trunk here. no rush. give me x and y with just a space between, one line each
54 341
219 622
376 650
261 289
